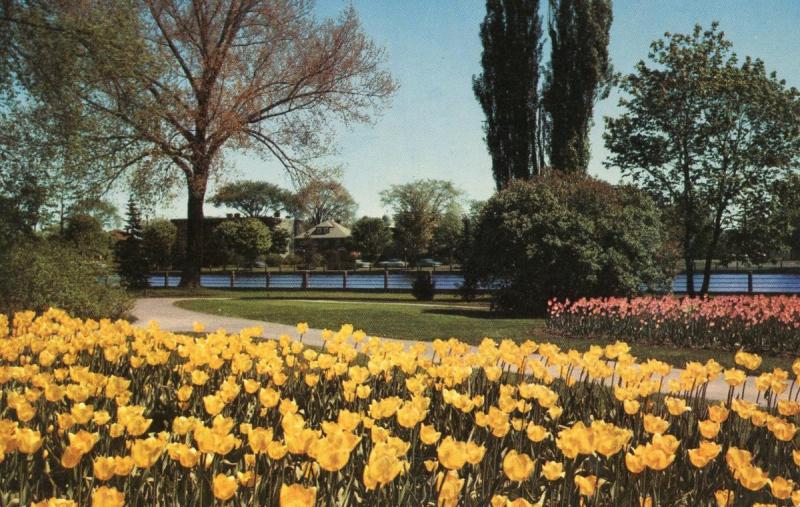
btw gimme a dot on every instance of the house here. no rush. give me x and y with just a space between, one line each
325 236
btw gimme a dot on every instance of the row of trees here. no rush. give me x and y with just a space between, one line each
427 217
318 200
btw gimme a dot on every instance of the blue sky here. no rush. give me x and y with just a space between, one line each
433 126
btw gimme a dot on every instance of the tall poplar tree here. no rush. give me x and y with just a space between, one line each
507 89
579 73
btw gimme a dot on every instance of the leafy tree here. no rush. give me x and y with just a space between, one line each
325 199
254 198
74 154
21 203
565 236
190 80
418 209
507 89
371 237
243 240
448 237
785 195
85 234
766 226
158 243
131 261
704 132
579 74
102 210
469 222
281 238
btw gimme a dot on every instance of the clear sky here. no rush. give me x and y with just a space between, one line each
433 126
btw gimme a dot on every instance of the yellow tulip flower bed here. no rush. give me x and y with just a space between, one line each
106 414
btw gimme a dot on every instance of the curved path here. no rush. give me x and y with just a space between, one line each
175 319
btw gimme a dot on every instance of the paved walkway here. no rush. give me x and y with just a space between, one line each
175 319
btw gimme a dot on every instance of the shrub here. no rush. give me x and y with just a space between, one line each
565 236
423 288
293 260
468 290
273 260
38 275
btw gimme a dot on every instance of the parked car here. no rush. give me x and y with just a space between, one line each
393 263
363 264
428 263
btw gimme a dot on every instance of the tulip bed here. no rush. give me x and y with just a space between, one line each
763 324
103 413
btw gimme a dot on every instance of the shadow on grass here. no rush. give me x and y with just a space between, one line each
477 313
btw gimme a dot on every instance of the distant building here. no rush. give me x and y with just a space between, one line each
324 244
325 236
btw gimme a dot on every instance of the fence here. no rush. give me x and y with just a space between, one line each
720 283
341 280
743 283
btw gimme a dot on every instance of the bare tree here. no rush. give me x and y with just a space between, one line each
207 76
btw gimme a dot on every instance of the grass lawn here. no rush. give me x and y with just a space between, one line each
391 320
417 322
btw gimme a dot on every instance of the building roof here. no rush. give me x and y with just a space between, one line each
329 229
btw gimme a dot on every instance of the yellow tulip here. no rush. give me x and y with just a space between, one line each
517 466
449 487
552 470
724 497
781 488
536 433
708 428
475 453
105 496
296 495
655 424
276 450
428 434
224 487
586 485
259 439
452 454
28 441
103 468
631 407
676 406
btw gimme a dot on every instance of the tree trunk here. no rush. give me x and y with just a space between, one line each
193 263
712 249
689 275
688 253
707 267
